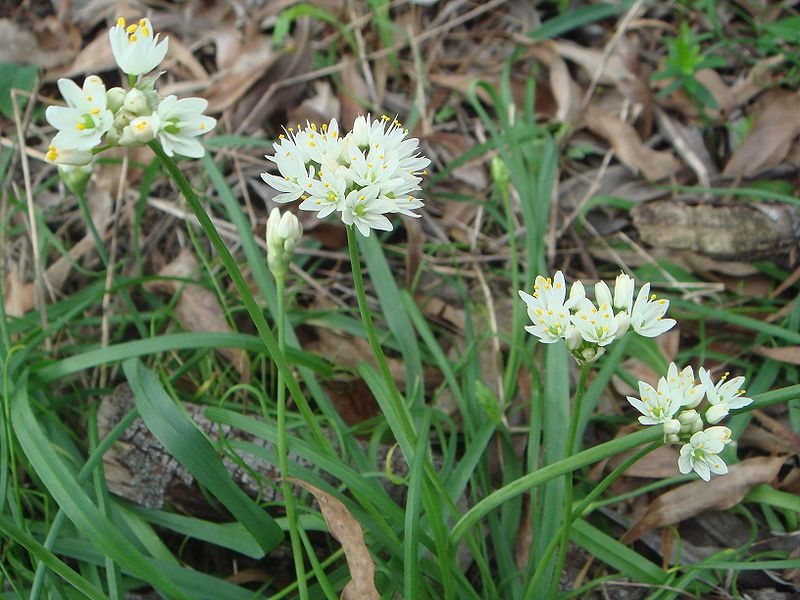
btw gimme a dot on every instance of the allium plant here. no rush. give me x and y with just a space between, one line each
97 118
363 175
673 405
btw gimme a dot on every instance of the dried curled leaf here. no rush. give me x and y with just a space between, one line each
345 528
694 498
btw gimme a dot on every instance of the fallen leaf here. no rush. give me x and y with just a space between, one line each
347 530
660 463
566 92
654 164
696 497
19 45
787 354
771 136
198 308
614 68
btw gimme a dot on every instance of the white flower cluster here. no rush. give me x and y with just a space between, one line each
587 327
131 117
365 174
673 405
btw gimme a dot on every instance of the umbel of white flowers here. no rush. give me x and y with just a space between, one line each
96 119
672 404
363 175
283 233
588 328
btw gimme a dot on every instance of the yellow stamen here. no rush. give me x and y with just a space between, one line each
95 111
89 98
80 126
131 28
202 125
132 38
144 31
120 22
142 22
362 197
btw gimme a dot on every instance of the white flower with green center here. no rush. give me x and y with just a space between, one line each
656 405
366 211
294 172
724 396
181 122
701 454
136 48
596 324
647 314
683 386
83 122
328 193
548 308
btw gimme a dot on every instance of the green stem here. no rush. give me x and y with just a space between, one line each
398 405
87 216
283 452
510 376
245 294
568 480
541 568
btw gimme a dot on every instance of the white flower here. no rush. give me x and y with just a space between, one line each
548 308
623 292
406 205
602 294
283 233
135 48
701 453
82 123
365 210
597 325
181 121
68 156
647 314
681 386
724 396
139 131
326 194
577 291
656 406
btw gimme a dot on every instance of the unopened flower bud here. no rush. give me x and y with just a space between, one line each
672 426
602 294
577 292
671 438
623 292
136 102
691 421
500 172
75 178
283 233
114 98
68 156
591 354
572 336
716 413
139 131
360 133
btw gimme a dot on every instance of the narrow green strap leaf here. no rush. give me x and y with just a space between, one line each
69 495
50 560
183 440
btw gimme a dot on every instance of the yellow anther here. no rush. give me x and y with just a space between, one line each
362 197
95 111
370 165
120 22
313 126
662 301
131 28
604 329
310 185
312 144
132 38
80 126
89 98
311 136
380 156
653 296
334 133
324 127
549 312
326 185
52 153
606 316
318 202
144 31
291 129
141 125
304 197
142 22
385 118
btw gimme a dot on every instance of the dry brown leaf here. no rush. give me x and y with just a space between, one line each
321 107
770 139
181 54
19 45
566 92
231 83
614 70
787 354
95 57
698 496
659 464
198 308
654 164
347 530
355 92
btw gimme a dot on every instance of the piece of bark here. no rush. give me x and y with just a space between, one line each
139 469
739 230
